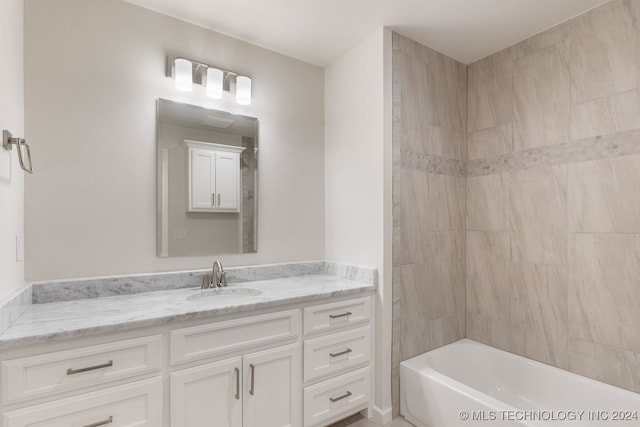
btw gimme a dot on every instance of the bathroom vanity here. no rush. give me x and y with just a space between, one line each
293 351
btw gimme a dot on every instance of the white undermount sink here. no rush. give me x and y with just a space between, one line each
224 293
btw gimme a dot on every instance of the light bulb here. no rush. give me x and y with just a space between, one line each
243 90
214 83
183 74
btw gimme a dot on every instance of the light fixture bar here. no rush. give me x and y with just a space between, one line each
216 80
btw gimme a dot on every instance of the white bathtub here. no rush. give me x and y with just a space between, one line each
494 388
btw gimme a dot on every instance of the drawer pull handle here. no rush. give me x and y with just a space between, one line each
347 351
237 384
90 368
344 396
337 316
101 423
253 371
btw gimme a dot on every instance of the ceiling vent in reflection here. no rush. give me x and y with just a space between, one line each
217 121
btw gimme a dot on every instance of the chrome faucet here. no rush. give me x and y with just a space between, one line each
218 275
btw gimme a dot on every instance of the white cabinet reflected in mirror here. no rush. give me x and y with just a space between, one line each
207 181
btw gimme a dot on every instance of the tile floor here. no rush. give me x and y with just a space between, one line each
360 421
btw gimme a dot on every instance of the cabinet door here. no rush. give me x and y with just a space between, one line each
227 180
207 395
272 388
202 185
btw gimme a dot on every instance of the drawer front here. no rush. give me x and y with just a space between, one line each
136 404
338 397
336 353
336 315
234 335
46 374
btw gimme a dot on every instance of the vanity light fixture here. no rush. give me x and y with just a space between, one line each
186 72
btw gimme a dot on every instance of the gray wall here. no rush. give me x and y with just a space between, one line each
93 72
12 119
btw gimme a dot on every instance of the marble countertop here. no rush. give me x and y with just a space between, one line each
54 321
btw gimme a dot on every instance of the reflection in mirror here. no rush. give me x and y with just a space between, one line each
207 181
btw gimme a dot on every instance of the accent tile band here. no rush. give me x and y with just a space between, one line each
431 164
601 147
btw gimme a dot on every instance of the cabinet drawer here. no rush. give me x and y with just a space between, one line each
136 404
336 353
332 399
234 335
335 315
45 374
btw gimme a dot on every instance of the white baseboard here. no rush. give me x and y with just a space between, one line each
382 416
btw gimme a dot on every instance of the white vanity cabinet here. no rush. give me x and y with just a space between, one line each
301 365
213 177
250 389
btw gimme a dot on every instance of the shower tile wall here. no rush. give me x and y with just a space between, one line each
429 127
553 196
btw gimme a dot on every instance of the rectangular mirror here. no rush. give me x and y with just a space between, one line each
207 181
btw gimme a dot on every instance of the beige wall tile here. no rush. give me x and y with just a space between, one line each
541 103
446 280
445 203
606 116
412 78
488 202
395 340
604 292
489 95
429 96
447 94
607 364
489 142
416 217
488 283
551 37
539 313
489 330
604 195
445 142
538 215
447 330
403 44
605 51
415 332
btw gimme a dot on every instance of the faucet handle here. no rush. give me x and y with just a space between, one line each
223 279
206 283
